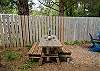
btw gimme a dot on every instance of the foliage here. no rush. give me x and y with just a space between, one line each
11 55
28 64
8 6
29 46
74 8
76 42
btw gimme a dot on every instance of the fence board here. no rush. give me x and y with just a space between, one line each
27 29
20 31
30 28
33 30
1 32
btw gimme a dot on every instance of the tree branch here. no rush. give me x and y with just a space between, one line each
48 6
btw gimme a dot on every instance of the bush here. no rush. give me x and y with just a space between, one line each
28 64
29 46
11 55
76 42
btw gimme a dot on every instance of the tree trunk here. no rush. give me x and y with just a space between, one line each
61 13
23 8
61 7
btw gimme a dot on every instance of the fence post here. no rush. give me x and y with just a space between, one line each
62 30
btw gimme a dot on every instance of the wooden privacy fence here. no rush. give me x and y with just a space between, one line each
18 30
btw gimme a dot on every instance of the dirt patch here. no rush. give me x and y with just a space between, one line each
82 60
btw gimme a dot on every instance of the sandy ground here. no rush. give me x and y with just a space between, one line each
82 60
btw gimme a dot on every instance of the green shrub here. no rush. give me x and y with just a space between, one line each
85 42
28 46
28 64
76 42
11 55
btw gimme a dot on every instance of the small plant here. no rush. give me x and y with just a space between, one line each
66 43
85 42
28 64
28 46
11 55
76 42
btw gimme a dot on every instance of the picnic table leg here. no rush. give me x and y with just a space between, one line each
68 59
58 61
48 49
40 61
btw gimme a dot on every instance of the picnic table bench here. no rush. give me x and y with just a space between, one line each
35 51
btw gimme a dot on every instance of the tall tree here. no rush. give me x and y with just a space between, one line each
61 7
23 8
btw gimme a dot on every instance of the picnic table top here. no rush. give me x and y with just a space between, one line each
54 42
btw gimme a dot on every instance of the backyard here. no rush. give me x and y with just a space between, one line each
15 59
49 35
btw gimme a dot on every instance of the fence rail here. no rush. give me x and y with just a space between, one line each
18 30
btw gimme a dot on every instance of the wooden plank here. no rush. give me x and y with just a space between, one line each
39 28
57 34
35 49
8 22
33 29
59 28
24 30
48 24
62 30
16 30
1 32
27 29
12 31
45 25
9 30
20 30
41 24
53 25
65 29
5 31
30 28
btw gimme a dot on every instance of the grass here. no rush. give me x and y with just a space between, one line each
28 64
11 55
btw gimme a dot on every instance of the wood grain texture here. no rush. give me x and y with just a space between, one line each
18 30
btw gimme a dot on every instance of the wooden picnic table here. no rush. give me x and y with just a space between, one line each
50 48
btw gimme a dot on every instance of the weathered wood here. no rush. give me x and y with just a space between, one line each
16 30
27 29
49 43
23 29
30 27
20 31
35 50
